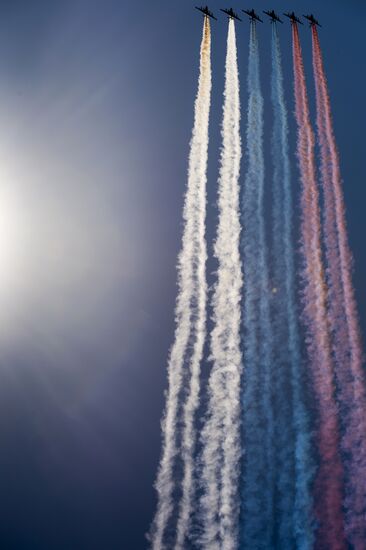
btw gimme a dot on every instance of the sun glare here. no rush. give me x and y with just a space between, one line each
12 238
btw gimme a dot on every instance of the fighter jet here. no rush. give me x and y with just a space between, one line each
312 20
293 18
231 14
274 17
253 16
206 12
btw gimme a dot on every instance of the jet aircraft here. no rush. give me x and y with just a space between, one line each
312 20
274 17
206 12
231 14
293 18
253 16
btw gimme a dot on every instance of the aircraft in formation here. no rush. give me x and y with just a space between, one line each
254 17
231 14
274 17
206 12
293 18
312 20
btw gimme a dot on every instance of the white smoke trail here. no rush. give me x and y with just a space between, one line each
190 319
221 435
199 161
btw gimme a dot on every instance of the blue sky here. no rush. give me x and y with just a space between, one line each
96 109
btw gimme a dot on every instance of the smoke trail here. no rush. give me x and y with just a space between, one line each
343 313
258 424
190 320
283 306
294 473
329 477
221 434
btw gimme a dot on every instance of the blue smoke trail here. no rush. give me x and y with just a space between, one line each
258 422
282 307
294 469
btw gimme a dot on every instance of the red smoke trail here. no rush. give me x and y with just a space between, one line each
343 314
328 485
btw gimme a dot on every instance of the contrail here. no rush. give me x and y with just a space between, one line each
190 323
258 422
328 486
343 314
293 442
221 435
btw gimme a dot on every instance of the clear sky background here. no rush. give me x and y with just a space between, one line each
96 110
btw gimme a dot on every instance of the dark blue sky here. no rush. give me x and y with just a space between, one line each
96 109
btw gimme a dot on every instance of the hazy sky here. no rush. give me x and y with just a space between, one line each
96 110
